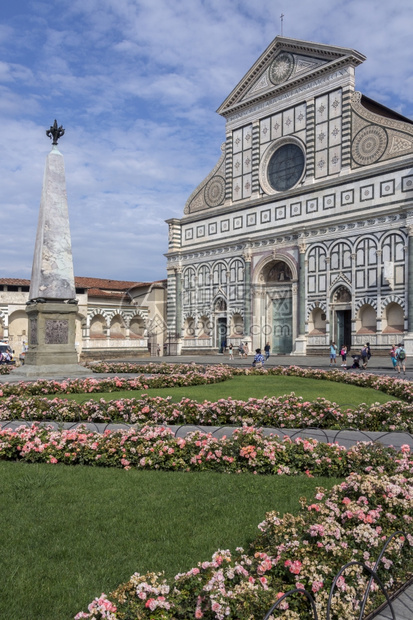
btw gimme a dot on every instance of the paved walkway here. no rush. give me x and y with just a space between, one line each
378 365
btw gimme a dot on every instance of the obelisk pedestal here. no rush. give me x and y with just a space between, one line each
52 329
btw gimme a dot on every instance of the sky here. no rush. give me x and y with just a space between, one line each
136 85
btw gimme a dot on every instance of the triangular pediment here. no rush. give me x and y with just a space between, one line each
285 64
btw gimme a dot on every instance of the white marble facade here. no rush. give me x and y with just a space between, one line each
302 233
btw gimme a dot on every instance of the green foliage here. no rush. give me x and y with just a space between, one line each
258 386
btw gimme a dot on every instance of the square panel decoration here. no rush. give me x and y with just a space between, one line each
225 226
312 205
347 197
280 213
237 222
387 188
212 228
189 234
295 209
265 216
200 231
329 202
407 184
366 193
251 219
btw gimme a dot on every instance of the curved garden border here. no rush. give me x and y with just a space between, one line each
288 411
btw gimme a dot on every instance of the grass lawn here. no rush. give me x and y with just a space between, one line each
69 533
243 388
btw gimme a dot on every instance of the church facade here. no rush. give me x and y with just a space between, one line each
302 233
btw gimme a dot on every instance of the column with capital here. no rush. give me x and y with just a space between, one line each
378 296
178 283
301 340
408 340
247 293
5 325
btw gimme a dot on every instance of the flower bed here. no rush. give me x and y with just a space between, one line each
193 375
388 384
162 368
156 447
350 522
283 412
172 375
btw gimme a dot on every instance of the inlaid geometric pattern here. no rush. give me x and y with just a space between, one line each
369 145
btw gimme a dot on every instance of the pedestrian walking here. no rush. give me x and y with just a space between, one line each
401 358
365 355
343 353
231 351
267 349
241 349
333 353
393 357
246 350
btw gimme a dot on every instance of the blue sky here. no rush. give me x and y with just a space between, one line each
136 83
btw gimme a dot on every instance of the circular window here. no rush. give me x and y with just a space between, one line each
285 167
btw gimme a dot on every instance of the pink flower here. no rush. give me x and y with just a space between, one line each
317 585
295 567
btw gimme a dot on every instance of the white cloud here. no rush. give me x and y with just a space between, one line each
136 84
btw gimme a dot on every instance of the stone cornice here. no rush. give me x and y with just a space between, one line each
295 238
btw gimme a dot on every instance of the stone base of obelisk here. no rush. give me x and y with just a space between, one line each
52 331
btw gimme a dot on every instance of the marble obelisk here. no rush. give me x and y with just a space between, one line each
52 305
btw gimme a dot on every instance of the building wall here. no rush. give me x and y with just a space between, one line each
318 252
129 325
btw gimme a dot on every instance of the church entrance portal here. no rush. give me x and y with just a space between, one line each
221 334
283 322
341 305
343 324
277 312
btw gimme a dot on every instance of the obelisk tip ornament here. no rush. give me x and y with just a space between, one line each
55 132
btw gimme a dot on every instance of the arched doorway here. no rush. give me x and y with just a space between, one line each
341 308
220 310
276 317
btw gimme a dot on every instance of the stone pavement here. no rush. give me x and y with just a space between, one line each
379 365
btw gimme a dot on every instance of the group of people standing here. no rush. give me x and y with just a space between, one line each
397 355
243 351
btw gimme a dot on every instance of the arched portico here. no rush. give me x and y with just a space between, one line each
341 316
275 304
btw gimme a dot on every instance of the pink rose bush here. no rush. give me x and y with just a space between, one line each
178 375
350 522
156 447
288 411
